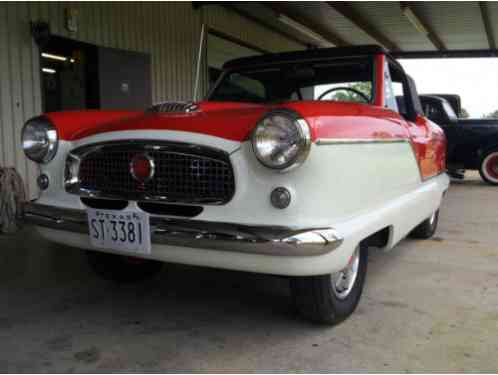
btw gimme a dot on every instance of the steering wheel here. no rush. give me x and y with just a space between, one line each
345 88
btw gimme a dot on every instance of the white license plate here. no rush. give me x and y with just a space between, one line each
119 230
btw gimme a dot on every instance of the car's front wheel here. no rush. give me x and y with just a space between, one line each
489 167
332 298
427 228
121 268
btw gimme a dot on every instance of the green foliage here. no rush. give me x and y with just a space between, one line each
492 115
349 96
464 113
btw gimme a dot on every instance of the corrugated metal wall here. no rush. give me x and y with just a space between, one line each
168 31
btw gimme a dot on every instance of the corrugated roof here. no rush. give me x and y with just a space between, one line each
453 26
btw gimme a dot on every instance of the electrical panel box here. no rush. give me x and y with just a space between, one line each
124 79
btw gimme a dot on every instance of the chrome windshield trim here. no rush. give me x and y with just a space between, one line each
269 240
352 141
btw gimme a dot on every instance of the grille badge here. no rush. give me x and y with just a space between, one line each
142 168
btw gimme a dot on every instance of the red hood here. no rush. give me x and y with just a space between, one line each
232 121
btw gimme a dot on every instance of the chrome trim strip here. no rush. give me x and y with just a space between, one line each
268 240
352 141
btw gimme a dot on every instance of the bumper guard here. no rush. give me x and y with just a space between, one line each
268 240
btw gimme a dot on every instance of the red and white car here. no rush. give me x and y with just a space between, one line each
294 165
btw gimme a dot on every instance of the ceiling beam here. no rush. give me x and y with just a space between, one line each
326 34
229 6
486 20
462 53
361 22
421 25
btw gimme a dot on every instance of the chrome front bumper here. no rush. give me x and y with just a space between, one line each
269 240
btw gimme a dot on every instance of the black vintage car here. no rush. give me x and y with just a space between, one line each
472 143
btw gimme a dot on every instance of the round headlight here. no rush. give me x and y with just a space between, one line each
281 140
39 140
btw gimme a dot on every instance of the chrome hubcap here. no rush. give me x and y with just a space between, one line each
343 281
432 219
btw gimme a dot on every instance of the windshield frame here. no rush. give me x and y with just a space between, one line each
371 59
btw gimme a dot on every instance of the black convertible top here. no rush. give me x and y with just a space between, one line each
311 54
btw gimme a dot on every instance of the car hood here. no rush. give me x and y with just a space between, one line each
227 120
231 121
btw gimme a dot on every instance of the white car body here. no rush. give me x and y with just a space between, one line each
356 187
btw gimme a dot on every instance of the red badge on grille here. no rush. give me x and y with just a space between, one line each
142 168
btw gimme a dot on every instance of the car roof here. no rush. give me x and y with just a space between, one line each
432 98
304 55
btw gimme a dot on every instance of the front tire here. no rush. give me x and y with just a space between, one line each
488 168
330 299
121 268
427 228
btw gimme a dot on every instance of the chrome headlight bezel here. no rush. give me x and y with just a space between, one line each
296 126
39 140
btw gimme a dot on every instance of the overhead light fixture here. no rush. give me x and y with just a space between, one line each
48 70
54 57
414 20
302 29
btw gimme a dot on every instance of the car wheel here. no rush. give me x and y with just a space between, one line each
489 167
121 268
329 299
427 228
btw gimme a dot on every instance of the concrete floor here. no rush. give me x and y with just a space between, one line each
428 306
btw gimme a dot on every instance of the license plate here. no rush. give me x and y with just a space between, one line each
119 230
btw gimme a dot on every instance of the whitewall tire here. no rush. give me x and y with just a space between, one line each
489 167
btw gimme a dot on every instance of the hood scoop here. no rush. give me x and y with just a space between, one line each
174 107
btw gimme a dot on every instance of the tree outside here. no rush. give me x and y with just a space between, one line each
492 115
350 96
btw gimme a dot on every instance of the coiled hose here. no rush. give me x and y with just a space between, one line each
12 198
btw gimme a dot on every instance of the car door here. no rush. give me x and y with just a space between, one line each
476 136
441 113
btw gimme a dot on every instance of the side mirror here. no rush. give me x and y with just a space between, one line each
415 107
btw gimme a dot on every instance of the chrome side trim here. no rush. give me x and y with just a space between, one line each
352 141
267 240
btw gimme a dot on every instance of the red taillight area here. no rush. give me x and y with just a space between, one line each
431 157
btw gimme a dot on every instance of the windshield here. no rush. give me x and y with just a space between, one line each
348 80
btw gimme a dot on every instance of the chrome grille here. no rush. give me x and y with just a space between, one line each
183 173
168 107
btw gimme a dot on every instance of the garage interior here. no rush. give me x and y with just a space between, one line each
428 306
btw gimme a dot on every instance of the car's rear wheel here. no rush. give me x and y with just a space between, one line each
489 167
427 228
121 268
332 298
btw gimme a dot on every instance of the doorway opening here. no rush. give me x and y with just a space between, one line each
66 69
79 76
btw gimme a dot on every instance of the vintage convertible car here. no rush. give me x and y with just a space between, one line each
472 143
294 165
